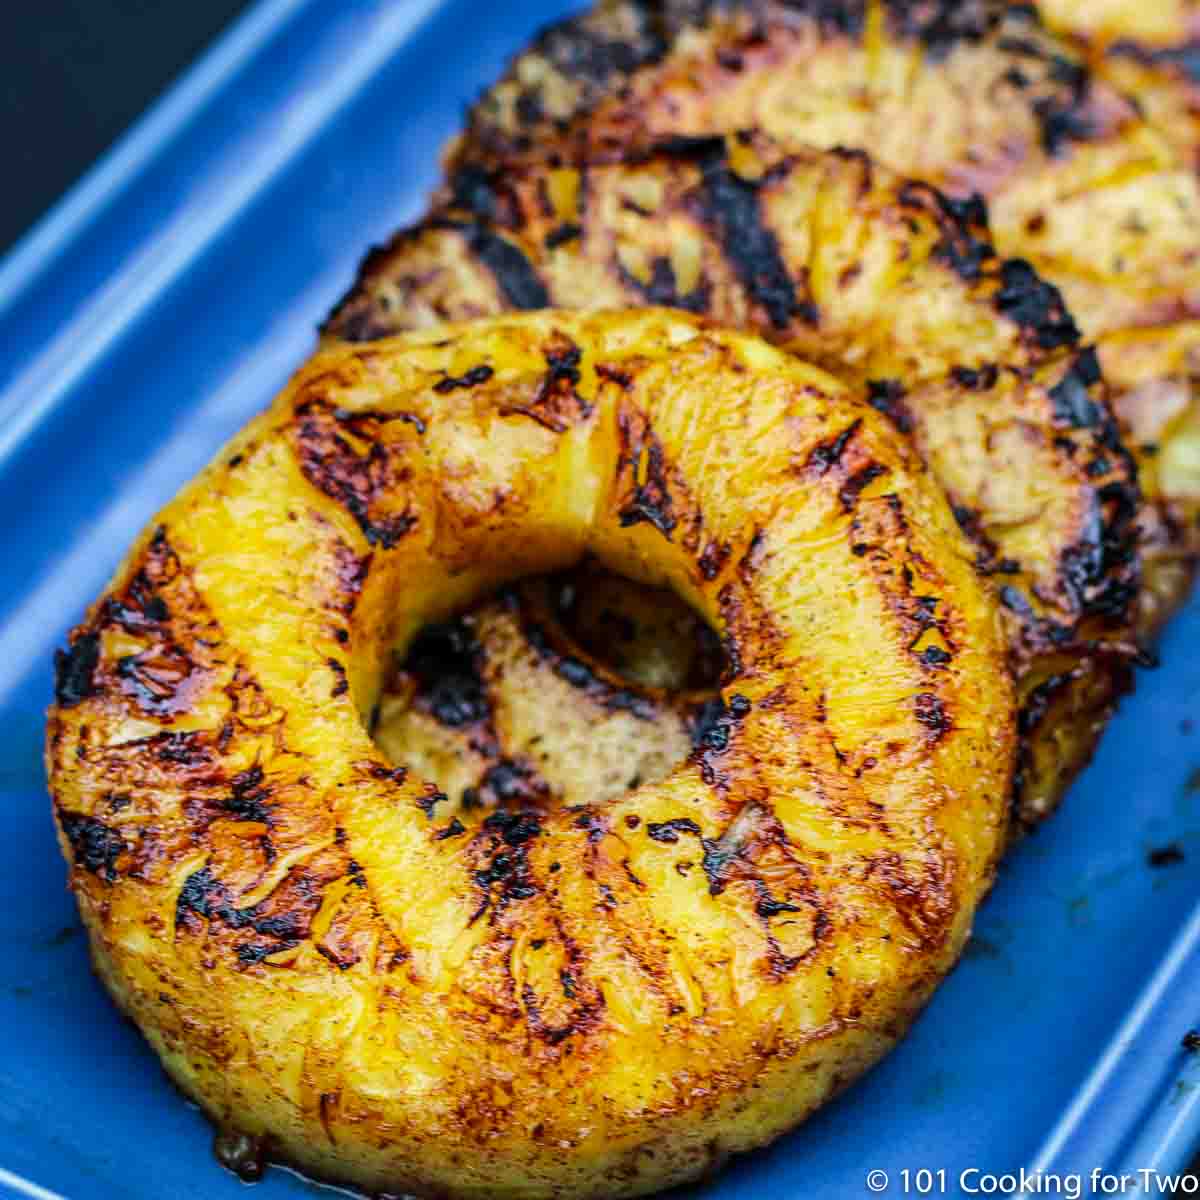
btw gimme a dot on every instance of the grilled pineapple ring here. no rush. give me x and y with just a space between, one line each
595 1001
972 97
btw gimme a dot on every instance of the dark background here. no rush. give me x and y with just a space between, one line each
74 74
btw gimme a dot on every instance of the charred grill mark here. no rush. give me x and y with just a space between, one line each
730 206
1062 122
157 678
568 231
712 721
557 405
341 685
1038 703
473 189
162 678
188 749
285 926
669 831
768 906
642 472
1099 571
1063 115
606 863
936 657
249 796
713 729
161 565
514 273
614 375
942 25
1184 60
505 836
94 846
719 855
574 984
447 662
976 379
661 288
509 782
828 454
850 491
341 958
285 917
965 246
428 803
713 558
988 562
887 396
1016 602
326 1105
199 895
139 610
154 612
1030 302
356 318
1016 78
515 828
75 669
1000 566
925 612
472 378
1038 707
916 614
1072 404
930 711
254 952
552 1034
591 821
738 619
360 482
864 162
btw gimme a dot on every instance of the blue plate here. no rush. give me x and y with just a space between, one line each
159 306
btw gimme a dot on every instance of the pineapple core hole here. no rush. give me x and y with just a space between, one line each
558 690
